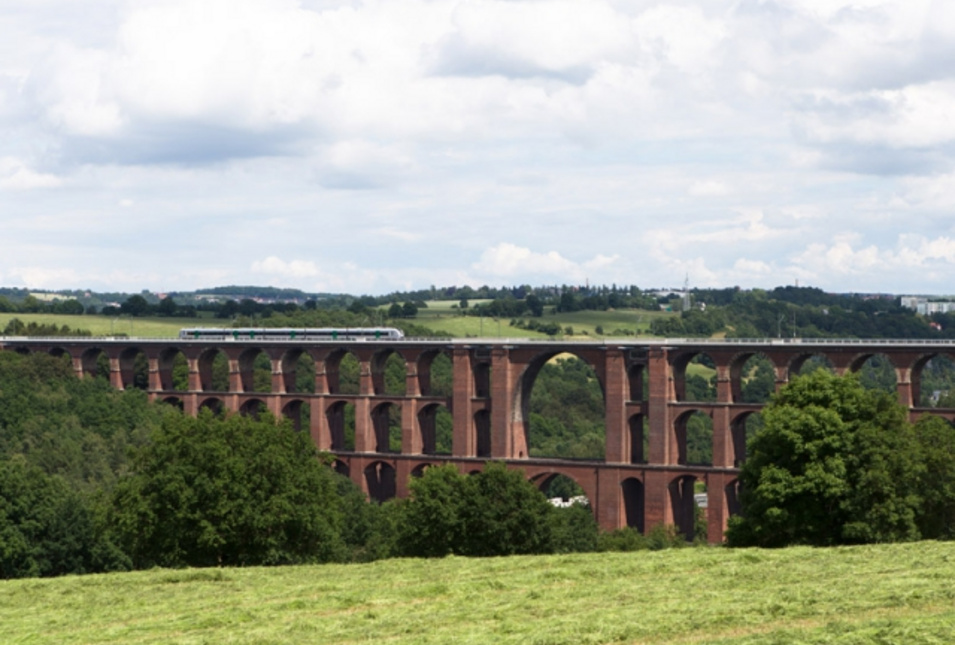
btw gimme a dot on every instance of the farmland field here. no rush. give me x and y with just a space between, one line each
874 594
106 326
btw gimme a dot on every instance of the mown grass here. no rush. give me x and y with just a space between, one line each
875 594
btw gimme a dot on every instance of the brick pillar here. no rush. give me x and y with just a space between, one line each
155 379
717 511
609 500
502 443
616 393
658 414
656 499
402 476
278 377
364 430
318 424
77 365
195 379
235 376
411 441
722 438
412 386
115 373
903 379
463 441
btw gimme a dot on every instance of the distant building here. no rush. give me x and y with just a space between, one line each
926 306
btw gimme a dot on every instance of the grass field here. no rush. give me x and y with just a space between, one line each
439 316
876 594
105 326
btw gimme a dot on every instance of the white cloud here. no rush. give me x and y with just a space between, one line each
506 260
15 175
273 266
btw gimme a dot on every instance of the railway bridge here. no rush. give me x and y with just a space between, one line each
646 476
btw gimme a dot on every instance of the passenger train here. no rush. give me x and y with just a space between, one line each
285 333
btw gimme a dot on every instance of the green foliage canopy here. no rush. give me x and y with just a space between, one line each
834 463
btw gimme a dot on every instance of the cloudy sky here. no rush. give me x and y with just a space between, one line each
377 145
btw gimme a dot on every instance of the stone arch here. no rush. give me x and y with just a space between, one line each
213 367
381 480
693 438
255 370
683 506
298 412
435 424
173 370
930 369
22 351
731 491
340 416
388 373
342 371
341 468
876 371
633 500
213 404
174 401
56 352
742 428
482 379
134 368
434 373
639 438
386 422
522 400
95 363
752 377
298 371
545 481
689 382
637 378
805 363
482 433
254 408
418 471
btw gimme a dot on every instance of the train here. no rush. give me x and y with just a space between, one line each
287 333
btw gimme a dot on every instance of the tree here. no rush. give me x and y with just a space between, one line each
135 306
212 491
494 512
833 464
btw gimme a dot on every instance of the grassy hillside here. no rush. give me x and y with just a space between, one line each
874 594
105 326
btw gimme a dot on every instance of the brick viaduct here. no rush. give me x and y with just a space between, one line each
643 382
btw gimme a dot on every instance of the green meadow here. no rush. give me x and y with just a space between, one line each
106 326
445 317
873 594
439 316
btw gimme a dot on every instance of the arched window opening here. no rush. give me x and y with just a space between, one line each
755 380
341 425
214 371
565 415
877 373
299 413
633 503
388 374
386 421
381 481
742 429
934 382
482 431
639 428
694 438
687 515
